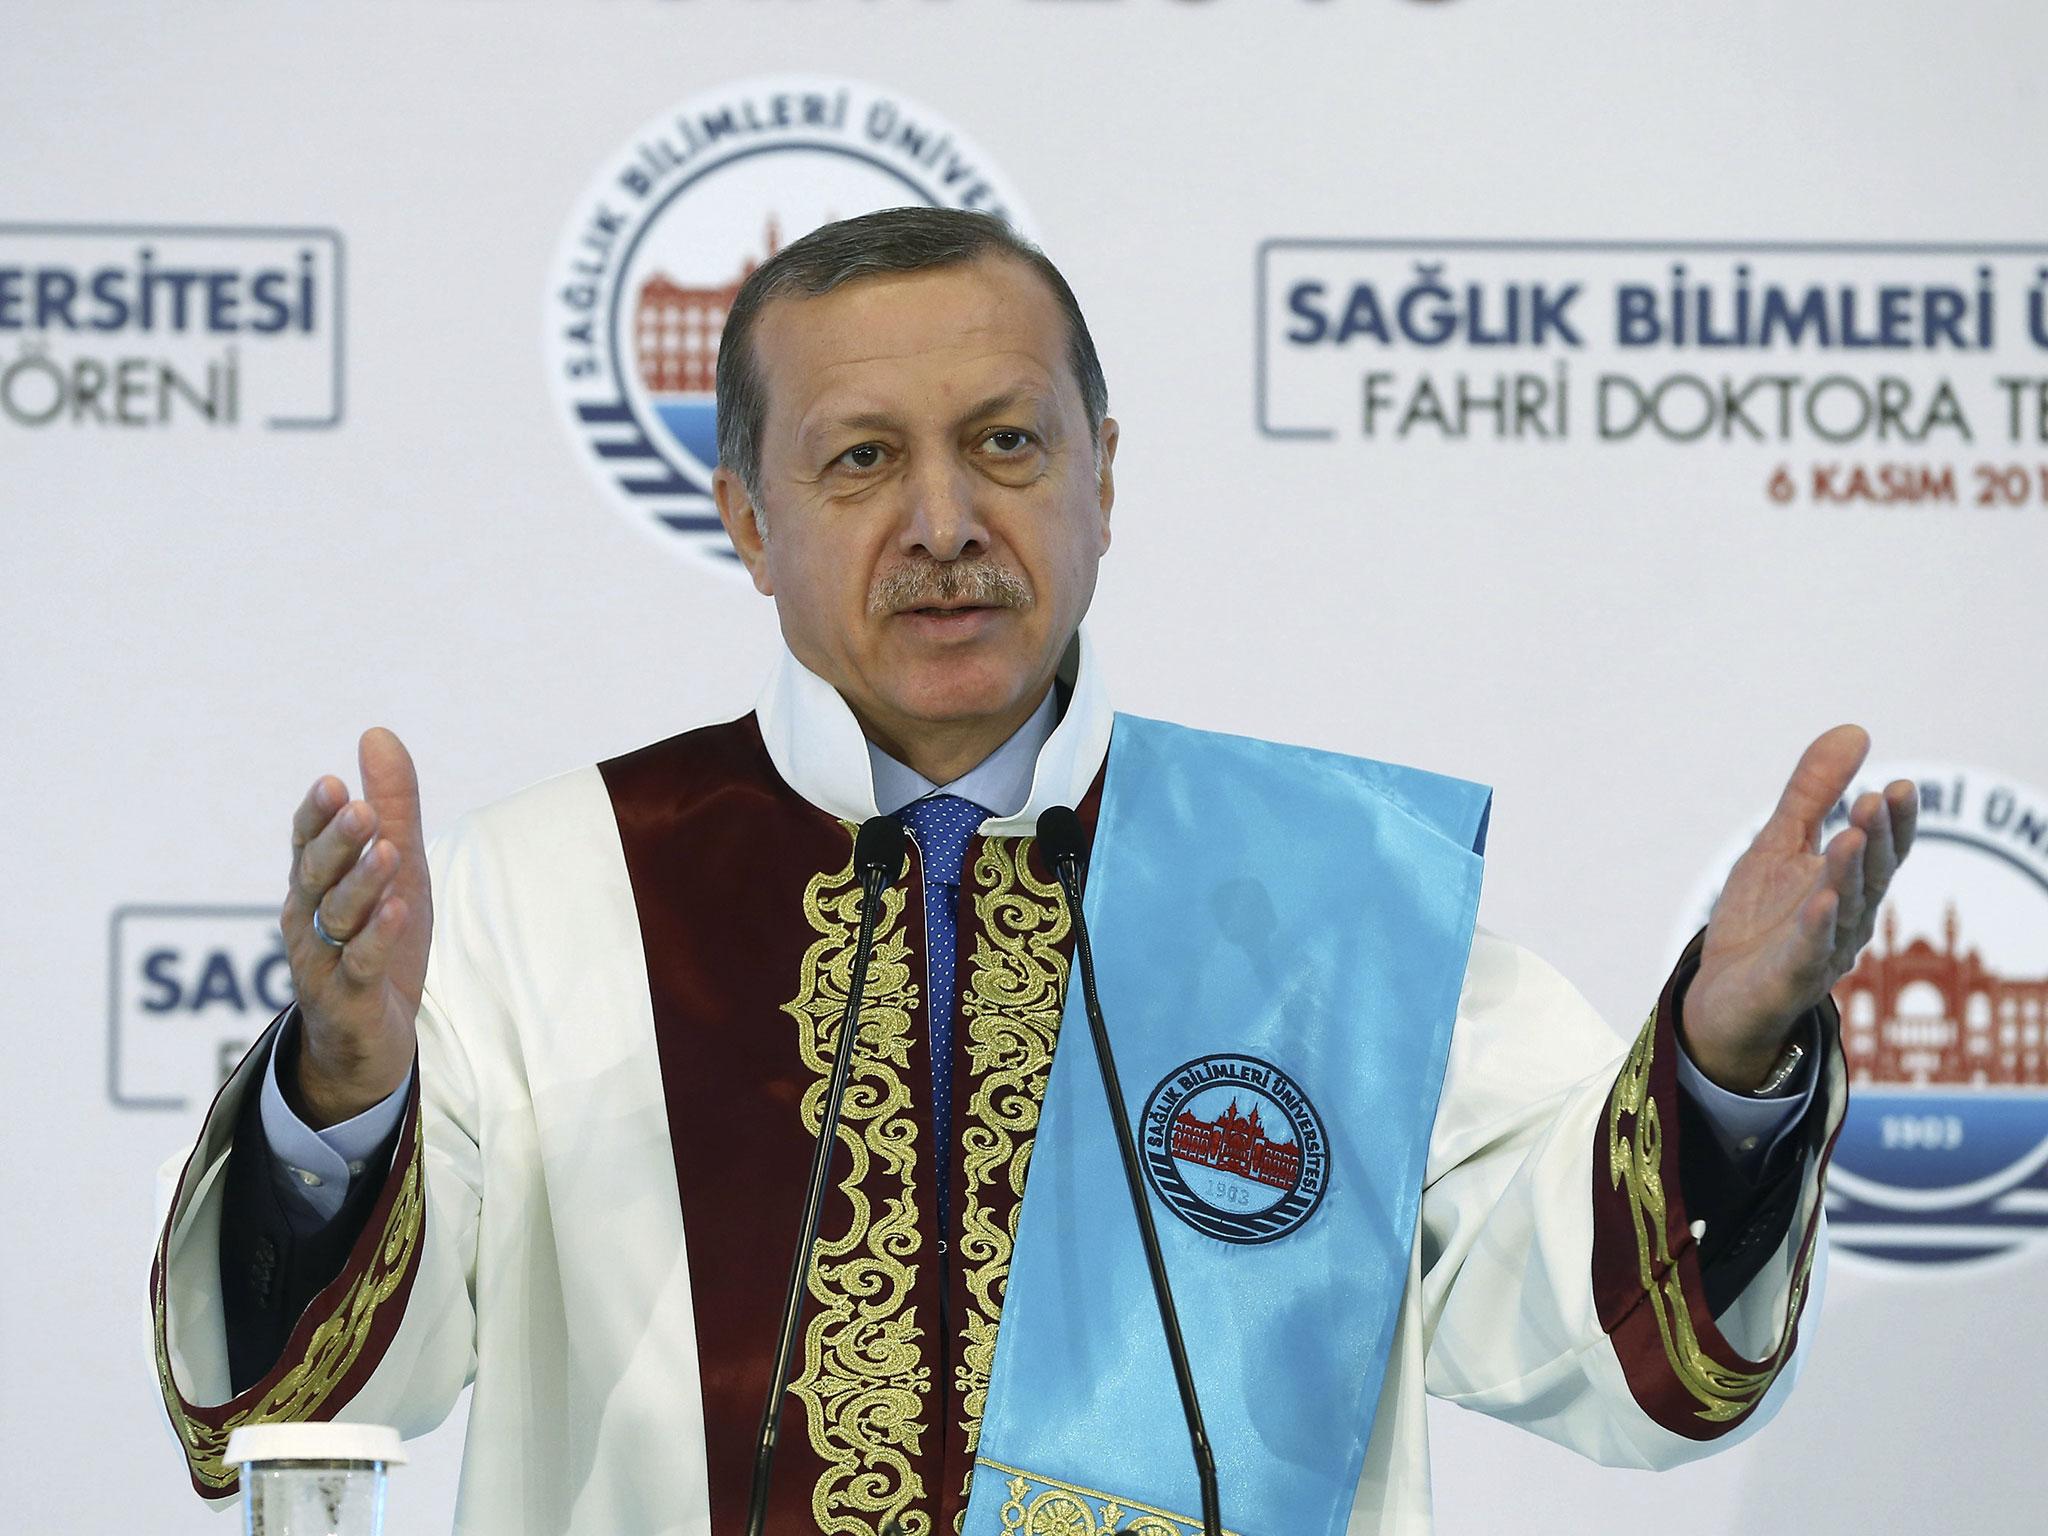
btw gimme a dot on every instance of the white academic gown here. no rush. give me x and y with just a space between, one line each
530 1242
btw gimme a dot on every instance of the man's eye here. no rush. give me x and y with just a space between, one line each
1008 440
862 456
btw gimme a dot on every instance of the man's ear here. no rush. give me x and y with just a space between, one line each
1105 473
744 526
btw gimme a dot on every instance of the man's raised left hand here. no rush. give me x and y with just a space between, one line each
1792 917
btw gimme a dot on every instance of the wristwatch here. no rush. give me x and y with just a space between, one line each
1783 1073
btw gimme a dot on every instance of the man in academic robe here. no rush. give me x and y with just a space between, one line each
541 1119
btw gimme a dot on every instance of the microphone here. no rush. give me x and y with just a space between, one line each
1066 848
878 861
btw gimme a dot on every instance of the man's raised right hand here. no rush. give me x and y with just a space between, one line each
357 997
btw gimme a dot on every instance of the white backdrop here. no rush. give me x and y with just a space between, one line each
1628 636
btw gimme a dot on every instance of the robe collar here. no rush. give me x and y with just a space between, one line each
817 746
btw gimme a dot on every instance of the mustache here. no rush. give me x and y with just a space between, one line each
931 584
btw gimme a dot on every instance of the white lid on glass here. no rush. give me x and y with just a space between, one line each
314 1442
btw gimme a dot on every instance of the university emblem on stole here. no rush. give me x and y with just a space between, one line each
1233 1145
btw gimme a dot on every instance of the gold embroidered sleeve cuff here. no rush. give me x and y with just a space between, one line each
1648 1289
338 1341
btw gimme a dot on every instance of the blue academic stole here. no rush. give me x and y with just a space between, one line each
1280 936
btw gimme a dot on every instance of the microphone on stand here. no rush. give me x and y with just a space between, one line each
1065 847
877 860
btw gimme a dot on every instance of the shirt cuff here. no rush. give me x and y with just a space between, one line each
1747 1127
313 1168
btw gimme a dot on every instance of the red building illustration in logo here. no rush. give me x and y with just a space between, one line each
676 329
1236 1143
1927 1017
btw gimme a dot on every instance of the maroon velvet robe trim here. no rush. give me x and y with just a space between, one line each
720 852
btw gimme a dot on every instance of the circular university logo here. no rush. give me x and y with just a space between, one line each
1234 1146
670 228
1943 1157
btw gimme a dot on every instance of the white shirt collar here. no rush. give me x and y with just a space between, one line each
817 746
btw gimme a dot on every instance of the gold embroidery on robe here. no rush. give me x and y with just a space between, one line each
332 1351
1635 1159
865 1383
1010 1010
1045 1506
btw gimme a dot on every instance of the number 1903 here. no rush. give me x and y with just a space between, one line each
1923 1133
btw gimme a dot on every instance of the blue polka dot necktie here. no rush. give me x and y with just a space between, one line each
942 825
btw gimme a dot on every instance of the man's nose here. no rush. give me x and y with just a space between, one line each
942 520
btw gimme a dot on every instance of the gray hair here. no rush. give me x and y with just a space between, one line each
891 240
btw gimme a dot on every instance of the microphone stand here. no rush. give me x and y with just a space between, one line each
878 857
1060 836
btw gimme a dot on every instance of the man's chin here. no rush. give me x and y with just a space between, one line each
961 687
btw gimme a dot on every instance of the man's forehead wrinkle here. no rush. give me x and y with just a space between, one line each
913 353
894 333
